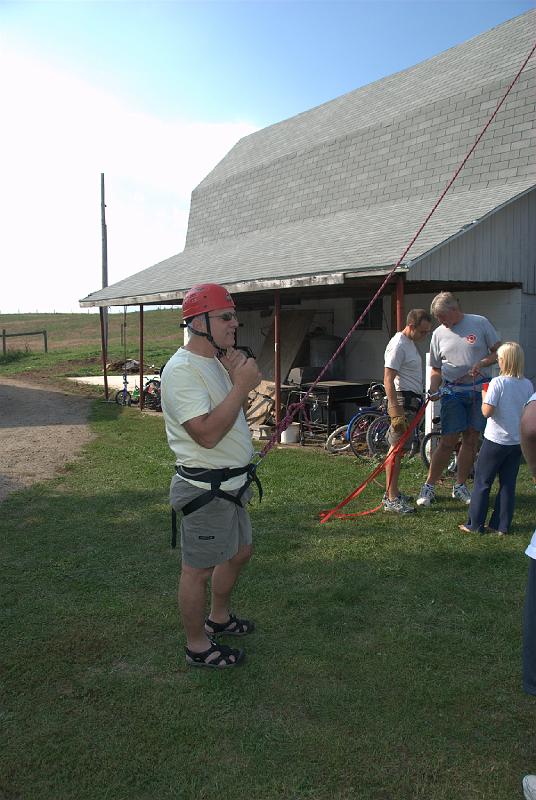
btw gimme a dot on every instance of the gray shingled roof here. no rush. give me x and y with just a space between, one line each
342 188
460 71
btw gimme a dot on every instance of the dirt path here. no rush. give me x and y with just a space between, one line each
41 430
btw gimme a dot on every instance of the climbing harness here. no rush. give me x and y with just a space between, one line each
215 477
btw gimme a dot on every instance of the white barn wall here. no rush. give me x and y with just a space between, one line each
364 352
528 334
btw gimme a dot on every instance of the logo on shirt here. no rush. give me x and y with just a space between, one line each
471 338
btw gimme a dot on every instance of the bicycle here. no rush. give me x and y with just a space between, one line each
424 444
430 443
353 435
151 394
377 441
123 397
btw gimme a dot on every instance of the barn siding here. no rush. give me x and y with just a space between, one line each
500 248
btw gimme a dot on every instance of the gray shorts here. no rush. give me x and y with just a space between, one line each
411 404
393 437
215 532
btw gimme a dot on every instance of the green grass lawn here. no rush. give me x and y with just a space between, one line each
385 665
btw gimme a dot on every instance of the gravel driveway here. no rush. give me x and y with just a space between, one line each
41 430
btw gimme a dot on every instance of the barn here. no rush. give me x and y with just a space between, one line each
304 219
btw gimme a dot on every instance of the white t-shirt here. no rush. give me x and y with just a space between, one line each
402 355
193 385
509 396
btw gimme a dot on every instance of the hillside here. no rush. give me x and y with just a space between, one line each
74 342
66 331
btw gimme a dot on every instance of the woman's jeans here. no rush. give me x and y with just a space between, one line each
494 459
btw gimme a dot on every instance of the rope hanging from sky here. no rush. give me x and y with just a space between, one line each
295 407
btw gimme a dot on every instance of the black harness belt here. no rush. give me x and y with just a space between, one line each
216 477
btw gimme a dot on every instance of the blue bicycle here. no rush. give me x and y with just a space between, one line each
353 436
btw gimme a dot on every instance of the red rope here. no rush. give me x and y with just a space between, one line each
285 422
325 515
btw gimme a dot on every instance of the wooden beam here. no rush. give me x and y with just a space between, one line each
142 403
104 352
277 359
400 322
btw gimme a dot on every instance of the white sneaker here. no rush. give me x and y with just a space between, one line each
426 495
399 505
529 787
461 492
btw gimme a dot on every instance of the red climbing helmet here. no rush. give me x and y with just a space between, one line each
205 297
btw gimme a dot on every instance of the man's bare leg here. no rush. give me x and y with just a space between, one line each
466 456
441 457
224 578
192 604
392 472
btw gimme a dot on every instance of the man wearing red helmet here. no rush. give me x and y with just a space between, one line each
205 386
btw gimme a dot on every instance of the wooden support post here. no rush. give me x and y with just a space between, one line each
45 339
141 359
104 352
277 358
400 321
4 348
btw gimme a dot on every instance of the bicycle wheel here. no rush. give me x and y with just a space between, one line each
428 447
416 440
357 431
337 441
377 436
123 398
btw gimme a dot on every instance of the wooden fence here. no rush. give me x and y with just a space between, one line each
28 333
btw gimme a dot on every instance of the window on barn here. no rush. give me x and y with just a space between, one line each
373 320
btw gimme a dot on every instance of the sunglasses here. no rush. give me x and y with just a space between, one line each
227 316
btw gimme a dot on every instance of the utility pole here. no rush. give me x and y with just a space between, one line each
104 257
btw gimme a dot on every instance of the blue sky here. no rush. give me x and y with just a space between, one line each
154 95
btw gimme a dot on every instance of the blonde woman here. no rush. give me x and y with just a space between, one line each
500 454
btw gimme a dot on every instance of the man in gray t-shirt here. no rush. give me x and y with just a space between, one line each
462 349
457 348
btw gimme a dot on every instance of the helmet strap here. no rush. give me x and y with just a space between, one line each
220 351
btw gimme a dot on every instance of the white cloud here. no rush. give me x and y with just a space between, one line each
59 134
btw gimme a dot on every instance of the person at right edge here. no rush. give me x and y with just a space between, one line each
528 446
462 349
